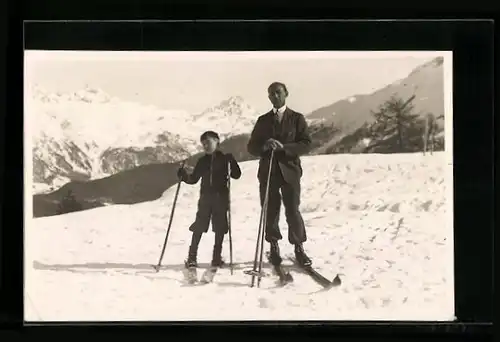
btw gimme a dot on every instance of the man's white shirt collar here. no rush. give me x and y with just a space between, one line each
279 110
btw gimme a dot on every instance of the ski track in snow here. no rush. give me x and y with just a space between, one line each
377 220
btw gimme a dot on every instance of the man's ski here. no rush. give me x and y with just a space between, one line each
318 277
208 275
284 276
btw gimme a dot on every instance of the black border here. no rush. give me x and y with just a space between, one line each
472 45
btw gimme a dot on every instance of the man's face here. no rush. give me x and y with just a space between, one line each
210 145
277 95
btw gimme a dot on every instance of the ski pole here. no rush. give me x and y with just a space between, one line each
157 267
261 231
264 225
257 245
229 217
264 221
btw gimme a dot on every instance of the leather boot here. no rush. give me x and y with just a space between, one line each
192 258
301 255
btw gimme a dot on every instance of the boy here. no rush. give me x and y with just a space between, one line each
213 204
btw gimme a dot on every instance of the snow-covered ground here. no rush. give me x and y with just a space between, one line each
381 221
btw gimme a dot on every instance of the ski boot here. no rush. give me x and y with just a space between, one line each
301 256
217 263
217 258
275 259
191 261
191 264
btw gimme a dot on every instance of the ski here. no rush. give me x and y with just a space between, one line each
284 276
191 275
208 275
318 277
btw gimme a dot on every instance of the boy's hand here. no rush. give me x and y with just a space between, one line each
181 173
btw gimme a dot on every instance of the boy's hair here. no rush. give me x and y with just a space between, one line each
209 134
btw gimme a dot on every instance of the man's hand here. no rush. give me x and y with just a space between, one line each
273 144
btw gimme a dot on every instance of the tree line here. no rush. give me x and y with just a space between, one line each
395 128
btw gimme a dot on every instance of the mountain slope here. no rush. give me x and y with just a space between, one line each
425 82
378 220
143 183
329 135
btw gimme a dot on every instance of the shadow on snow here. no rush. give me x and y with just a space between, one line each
106 266
110 266
148 271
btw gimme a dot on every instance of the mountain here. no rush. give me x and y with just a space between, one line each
426 82
137 178
89 135
230 117
370 218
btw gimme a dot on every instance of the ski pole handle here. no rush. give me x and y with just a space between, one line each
181 171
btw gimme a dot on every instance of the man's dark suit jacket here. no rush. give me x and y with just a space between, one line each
292 132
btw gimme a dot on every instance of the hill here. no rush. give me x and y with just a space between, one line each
143 183
426 82
377 220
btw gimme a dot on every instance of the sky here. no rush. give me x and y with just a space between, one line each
194 81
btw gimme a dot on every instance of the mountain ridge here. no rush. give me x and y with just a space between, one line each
66 147
330 134
424 80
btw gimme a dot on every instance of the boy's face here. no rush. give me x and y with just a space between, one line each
210 145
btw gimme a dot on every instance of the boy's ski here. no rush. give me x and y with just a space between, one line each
208 275
318 277
191 275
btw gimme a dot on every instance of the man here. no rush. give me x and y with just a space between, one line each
285 132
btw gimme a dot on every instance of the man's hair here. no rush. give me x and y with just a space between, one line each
209 134
278 84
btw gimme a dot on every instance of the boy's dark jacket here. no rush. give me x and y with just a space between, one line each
213 171
292 132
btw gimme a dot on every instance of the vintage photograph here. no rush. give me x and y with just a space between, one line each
221 186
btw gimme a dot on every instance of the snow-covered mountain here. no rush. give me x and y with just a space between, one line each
89 134
120 136
230 117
